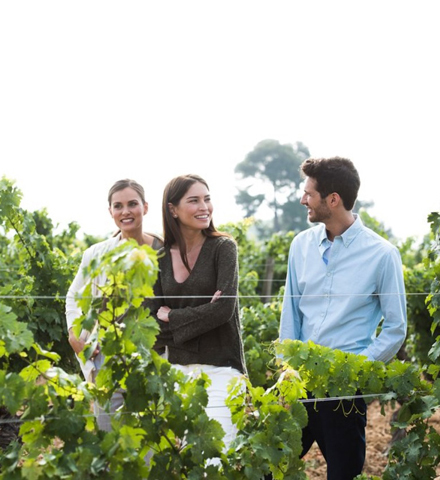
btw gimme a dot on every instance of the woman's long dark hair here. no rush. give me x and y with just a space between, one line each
173 193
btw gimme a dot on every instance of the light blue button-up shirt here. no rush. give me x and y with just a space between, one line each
340 305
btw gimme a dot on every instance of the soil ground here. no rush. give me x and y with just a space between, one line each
378 435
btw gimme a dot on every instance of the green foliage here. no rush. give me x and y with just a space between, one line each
164 412
251 266
433 299
14 335
277 247
36 267
418 454
420 338
260 321
59 437
269 430
254 256
260 328
326 371
374 224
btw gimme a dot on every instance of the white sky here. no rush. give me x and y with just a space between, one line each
94 91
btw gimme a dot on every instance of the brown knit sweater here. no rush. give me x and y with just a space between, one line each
199 331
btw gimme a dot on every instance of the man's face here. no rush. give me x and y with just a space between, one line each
317 208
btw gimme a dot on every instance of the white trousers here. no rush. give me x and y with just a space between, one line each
103 417
217 394
216 408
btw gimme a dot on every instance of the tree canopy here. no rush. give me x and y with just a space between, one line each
276 164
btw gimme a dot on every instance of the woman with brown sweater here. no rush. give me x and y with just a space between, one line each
198 293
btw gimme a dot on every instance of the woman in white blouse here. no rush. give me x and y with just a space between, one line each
127 206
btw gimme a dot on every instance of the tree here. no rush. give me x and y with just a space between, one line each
277 164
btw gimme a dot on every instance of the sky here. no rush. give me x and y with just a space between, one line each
95 91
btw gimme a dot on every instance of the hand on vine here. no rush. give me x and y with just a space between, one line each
78 344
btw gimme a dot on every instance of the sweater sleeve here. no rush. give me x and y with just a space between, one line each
164 337
191 322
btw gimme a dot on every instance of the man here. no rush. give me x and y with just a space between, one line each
342 279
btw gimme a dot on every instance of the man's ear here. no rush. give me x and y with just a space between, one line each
335 199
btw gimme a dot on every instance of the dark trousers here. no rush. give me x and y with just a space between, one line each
340 435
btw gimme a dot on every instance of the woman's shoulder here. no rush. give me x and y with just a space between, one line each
98 249
102 247
222 241
157 243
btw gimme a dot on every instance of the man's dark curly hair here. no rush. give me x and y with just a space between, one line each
334 174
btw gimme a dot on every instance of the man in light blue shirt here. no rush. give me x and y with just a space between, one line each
342 280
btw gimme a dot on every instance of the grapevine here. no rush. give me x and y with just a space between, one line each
164 413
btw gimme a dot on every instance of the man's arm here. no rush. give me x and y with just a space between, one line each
291 318
391 291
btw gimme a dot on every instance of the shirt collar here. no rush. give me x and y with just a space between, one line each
352 231
347 237
322 238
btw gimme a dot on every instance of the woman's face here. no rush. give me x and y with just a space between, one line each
194 210
127 210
